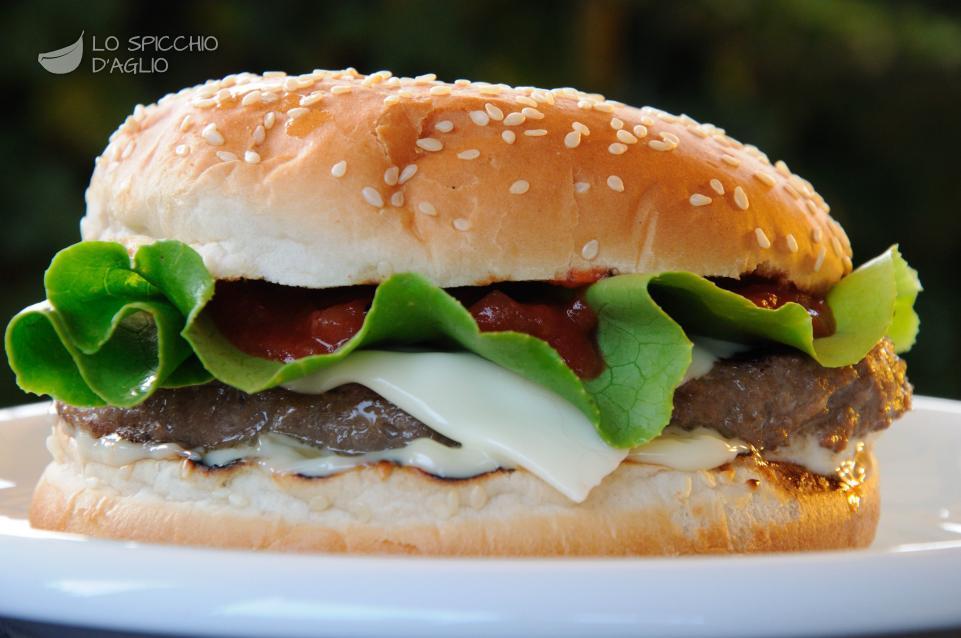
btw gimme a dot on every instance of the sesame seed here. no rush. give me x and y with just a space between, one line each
372 196
847 263
587 105
226 156
251 98
717 186
268 96
617 148
572 139
257 137
406 94
670 137
508 136
409 171
545 97
489 89
626 137
425 78
782 168
604 107
761 238
341 89
740 198
252 157
480 118
661 145
430 144
469 154
297 112
812 206
274 74
442 89
836 246
700 132
590 249
698 199
444 126
461 82
816 234
580 128
615 183
390 100
205 103
186 123
582 187
764 178
461 224
617 123
182 149
397 199
820 259
535 132
269 119
427 208
519 187
640 131
212 135
339 169
391 175
523 99
495 113
791 191
730 160
311 99
647 120
532 113
127 150
514 119
791 243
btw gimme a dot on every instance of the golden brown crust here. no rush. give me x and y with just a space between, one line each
746 506
262 202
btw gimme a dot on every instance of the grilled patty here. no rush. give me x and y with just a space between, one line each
764 398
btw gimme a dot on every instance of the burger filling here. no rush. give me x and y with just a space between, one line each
567 379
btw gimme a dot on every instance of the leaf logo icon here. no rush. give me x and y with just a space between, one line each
63 60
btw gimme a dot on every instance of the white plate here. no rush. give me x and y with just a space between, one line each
909 580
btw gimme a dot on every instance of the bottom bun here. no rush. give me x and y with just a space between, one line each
745 506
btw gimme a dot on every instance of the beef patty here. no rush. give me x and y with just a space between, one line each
763 398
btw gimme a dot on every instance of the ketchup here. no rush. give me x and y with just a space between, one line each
764 293
567 326
285 323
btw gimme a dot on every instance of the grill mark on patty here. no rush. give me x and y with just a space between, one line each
765 398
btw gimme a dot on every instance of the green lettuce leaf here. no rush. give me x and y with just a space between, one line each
115 331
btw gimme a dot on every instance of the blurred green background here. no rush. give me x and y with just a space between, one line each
862 98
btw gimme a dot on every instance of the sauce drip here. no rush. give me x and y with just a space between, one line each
285 323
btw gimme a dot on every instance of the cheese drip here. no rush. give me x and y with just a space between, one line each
486 409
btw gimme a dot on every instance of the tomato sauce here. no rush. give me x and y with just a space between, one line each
765 293
285 323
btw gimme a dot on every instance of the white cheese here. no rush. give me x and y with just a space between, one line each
688 451
485 408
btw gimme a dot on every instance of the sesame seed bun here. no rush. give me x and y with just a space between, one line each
745 506
336 178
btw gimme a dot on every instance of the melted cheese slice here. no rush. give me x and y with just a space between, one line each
486 409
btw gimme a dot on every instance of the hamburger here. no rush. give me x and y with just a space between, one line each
362 313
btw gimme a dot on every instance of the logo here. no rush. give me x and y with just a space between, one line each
63 60
135 55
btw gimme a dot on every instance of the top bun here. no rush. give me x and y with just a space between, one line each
335 178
